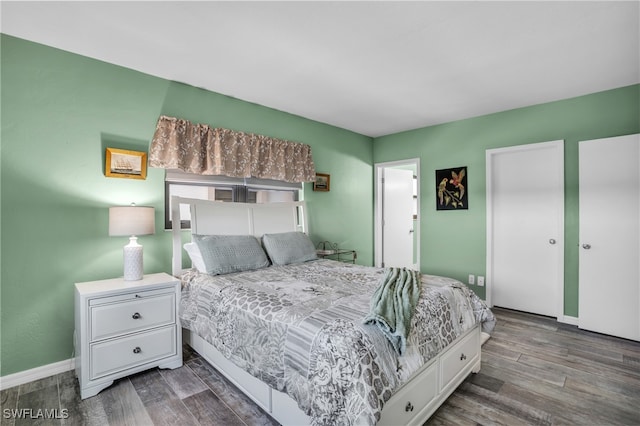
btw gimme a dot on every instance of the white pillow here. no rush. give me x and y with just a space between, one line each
196 257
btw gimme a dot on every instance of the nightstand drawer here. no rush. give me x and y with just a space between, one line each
128 352
109 320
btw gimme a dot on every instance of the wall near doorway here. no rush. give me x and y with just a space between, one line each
453 243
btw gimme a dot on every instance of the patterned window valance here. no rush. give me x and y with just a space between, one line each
200 149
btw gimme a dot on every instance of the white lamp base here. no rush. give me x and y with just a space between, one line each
133 260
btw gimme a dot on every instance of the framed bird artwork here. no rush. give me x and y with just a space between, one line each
451 189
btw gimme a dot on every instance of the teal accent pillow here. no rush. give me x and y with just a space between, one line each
223 254
289 247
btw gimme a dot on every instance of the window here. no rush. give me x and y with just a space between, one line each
225 189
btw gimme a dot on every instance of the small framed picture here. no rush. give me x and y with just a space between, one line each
322 183
122 163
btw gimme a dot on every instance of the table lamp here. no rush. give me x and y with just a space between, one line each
132 221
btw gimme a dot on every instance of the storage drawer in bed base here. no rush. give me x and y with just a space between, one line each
421 396
413 404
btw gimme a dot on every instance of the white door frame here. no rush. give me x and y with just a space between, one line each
559 171
378 200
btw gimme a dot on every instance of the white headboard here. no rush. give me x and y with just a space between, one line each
219 218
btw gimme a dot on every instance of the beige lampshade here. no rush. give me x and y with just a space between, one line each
131 220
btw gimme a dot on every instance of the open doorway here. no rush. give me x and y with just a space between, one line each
397 222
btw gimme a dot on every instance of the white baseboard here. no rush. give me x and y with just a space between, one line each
22 377
568 320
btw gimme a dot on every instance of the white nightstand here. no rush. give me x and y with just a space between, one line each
123 327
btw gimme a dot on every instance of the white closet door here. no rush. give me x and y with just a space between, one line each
609 292
525 227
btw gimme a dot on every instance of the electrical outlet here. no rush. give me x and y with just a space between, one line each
472 279
480 281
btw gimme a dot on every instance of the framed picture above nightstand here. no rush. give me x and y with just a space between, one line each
123 327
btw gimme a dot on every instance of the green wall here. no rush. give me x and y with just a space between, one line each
453 243
59 113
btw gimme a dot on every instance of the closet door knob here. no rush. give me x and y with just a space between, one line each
136 316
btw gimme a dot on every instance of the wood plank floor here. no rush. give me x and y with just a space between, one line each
534 371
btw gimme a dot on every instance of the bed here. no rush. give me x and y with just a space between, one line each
289 332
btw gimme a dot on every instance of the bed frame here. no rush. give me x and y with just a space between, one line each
412 404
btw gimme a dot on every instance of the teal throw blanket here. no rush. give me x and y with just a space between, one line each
393 303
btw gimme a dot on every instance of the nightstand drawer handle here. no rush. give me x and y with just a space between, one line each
137 350
136 316
409 407
463 357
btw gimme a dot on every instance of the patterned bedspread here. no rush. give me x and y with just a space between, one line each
299 329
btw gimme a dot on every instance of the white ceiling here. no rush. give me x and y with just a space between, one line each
371 67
